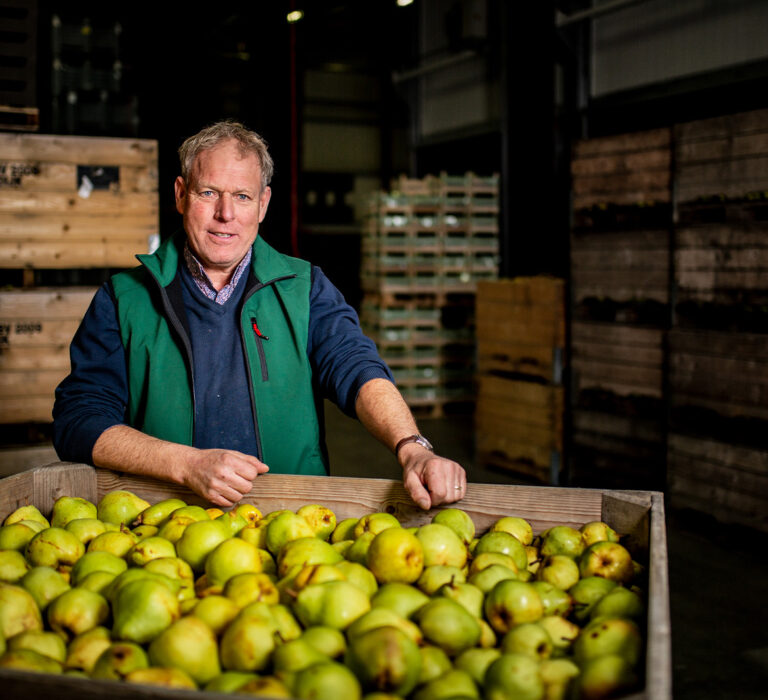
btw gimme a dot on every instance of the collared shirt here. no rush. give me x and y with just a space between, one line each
202 281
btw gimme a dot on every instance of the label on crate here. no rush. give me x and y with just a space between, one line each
14 328
12 174
97 177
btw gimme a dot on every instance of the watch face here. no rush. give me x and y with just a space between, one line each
424 442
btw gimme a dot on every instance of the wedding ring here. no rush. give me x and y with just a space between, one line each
458 488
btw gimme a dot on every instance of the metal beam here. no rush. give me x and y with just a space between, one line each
562 20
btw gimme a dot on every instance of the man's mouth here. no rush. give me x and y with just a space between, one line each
221 235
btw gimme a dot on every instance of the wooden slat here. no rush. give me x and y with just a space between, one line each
104 204
62 177
80 150
744 145
72 226
623 143
18 459
621 285
49 303
621 163
117 253
755 121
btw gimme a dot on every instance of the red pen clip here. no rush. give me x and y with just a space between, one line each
257 331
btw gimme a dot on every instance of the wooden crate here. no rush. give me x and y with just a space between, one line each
638 514
727 481
520 326
36 327
51 218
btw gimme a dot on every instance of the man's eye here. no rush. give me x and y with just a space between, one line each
240 197
209 194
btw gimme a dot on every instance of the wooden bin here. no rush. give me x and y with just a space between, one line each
76 201
638 514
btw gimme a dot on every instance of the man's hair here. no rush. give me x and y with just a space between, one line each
249 142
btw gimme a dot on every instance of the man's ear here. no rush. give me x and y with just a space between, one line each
264 197
180 189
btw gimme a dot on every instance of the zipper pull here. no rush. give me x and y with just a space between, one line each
257 331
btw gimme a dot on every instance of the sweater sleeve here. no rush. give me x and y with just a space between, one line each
343 358
94 396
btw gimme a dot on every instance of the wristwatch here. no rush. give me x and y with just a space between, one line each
418 439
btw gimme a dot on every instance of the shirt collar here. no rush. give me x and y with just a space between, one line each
203 283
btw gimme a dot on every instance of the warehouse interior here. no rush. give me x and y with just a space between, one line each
626 142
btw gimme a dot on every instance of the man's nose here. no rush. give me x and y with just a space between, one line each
225 210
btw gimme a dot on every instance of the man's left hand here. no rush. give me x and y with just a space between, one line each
431 480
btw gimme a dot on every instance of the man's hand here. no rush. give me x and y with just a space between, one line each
222 477
429 479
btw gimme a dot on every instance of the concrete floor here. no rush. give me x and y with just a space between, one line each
718 574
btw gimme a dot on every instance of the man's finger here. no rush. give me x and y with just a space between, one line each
418 493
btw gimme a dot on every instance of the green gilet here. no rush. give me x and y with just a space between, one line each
157 346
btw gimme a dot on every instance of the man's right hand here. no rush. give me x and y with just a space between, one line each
222 477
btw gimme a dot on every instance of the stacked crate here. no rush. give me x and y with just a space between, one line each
620 277
520 399
718 379
426 244
19 110
70 208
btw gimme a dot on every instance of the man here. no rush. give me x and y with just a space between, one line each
207 365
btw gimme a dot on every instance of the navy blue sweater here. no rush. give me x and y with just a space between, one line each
95 394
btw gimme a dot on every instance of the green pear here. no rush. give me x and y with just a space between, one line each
560 570
250 587
85 529
266 687
143 532
44 584
303 551
314 573
13 566
434 663
230 558
28 512
342 547
448 625
562 632
118 660
173 528
510 603
619 602
28 660
172 567
465 594
441 546
528 638
606 676
344 530
487 578
68 508
485 559
120 507
375 523
459 521
513 676
320 518
96 561
190 645
216 611
506 544
564 540
85 648
286 527
488 638
294 656
558 676
247 644
48 644
142 609
475 661
229 681
608 636
383 617
54 547
437 575
158 513
359 575
586 592
328 640
402 598
234 521
598 531
16 536
395 555
199 539
328 680
164 677
117 542
18 611
606 559
555 600
454 683
385 659
519 527
139 574
285 622
97 581
334 604
76 611
357 551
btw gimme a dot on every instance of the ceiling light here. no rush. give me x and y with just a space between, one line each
404 3
294 16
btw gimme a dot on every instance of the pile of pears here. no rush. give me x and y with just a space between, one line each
290 604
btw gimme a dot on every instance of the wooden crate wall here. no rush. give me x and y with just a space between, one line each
520 396
620 268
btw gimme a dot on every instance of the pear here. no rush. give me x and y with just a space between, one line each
375 523
328 680
143 532
285 622
396 555
344 530
256 535
619 602
120 507
608 636
216 611
334 603
513 676
229 681
171 567
250 512
96 561
18 611
247 644
441 546
265 687
320 518
360 575
142 609
385 659
597 531
316 573
606 676
437 575
487 635
558 676
68 508
434 663
174 527
294 656
487 578
608 560
199 539
528 638
510 603
559 570
562 631
459 521
454 683
401 598
465 594
165 677
519 527
506 544
485 559
158 513
97 581
328 640
86 647
448 625
230 558
562 539
16 536
76 611
343 546
358 550
303 551
44 584
85 529
286 527
555 600
383 617
54 547
13 566
585 594
118 660
117 542
48 644
247 588
28 660
135 574
475 661
190 645
233 520
28 512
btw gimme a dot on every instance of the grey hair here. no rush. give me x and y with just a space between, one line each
249 142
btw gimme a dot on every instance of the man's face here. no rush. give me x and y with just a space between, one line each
222 205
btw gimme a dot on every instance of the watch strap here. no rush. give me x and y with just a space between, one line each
420 439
